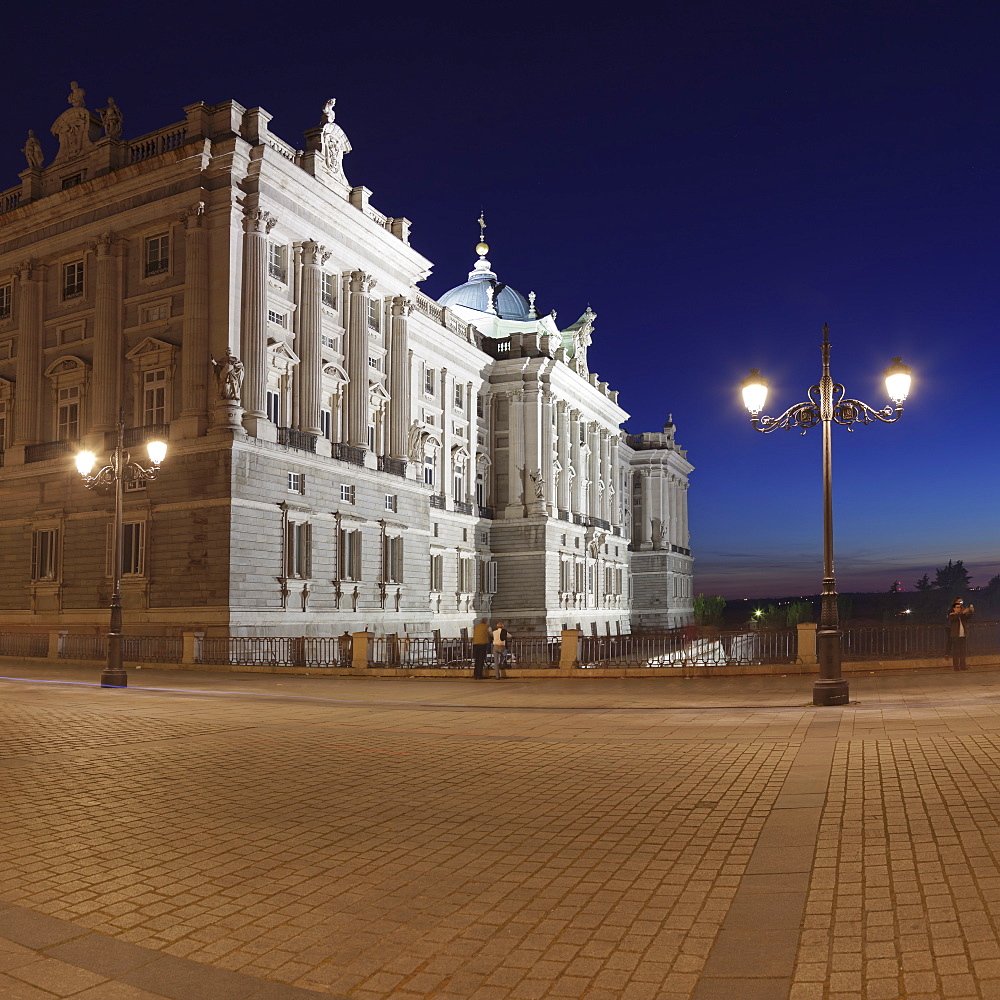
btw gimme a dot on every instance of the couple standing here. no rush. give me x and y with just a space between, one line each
482 639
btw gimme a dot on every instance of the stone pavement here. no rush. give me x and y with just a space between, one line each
256 837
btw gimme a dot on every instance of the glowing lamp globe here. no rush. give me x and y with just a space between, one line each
85 461
897 381
157 451
754 391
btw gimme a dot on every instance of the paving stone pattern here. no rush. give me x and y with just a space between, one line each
250 837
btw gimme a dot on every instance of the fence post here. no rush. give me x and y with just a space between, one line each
569 648
807 642
191 647
359 650
56 642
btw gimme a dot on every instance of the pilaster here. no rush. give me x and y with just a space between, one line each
360 285
194 349
399 381
107 331
515 455
31 287
309 376
257 223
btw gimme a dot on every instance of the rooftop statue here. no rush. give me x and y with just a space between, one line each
33 151
111 119
76 95
333 141
75 128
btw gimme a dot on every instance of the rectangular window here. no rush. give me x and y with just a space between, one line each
154 314
390 502
326 423
350 555
72 285
375 363
371 437
394 559
157 255
68 414
298 549
480 489
296 482
273 407
276 262
346 493
6 299
134 548
429 381
429 471
154 397
72 181
459 485
459 397
329 292
480 407
375 314
279 319
45 554
134 485
437 573
466 574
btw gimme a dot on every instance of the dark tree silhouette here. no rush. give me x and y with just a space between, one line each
953 578
924 583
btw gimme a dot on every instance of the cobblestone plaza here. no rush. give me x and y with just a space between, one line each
254 836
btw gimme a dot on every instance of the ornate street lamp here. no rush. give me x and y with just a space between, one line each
828 404
120 471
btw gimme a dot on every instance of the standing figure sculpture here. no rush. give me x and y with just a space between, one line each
76 95
33 151
228 375
111 119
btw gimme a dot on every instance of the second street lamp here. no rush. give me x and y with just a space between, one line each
121 470
827 404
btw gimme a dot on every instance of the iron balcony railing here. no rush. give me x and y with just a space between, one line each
394 466
349 453
48 450
487 512
437 501
464 508
290 437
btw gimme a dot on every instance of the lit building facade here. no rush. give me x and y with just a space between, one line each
345 452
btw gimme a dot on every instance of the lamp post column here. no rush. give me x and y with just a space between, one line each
114 674
831 688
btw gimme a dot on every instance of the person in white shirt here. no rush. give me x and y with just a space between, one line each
500 638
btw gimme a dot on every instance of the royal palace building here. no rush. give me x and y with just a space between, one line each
344 451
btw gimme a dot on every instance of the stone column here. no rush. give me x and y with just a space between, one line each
563 445
576 461
546 464
108 342
399 377
515 455
473 466
194 348
253 328
616 478
646 525
446 471
30 290
533 463
594 437
682 501
310 345
360 285
607 481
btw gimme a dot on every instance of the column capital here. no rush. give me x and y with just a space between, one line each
401 306
313 254
105 244
26 269
191 217
257 220
362 282
513 395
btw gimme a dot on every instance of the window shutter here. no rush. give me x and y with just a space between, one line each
289 549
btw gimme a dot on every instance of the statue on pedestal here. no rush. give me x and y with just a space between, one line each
228 376
111 119
33 151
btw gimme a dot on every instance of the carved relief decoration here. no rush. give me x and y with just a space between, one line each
76 128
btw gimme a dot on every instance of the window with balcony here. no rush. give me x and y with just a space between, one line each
45 554
68 413
156 256
273 406
154 397
428 381
328 291
326 424
72 283
277 261
429 471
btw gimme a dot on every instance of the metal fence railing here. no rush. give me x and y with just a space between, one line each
277 651
154 648
690 646
914 642
24 644
393 651
83 647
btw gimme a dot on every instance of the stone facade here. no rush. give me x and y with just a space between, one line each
345 452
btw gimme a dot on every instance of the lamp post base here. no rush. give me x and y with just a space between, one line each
831 692
114 678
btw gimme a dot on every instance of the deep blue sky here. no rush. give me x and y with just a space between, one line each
717 179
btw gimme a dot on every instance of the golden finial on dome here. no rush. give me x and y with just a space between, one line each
482 247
